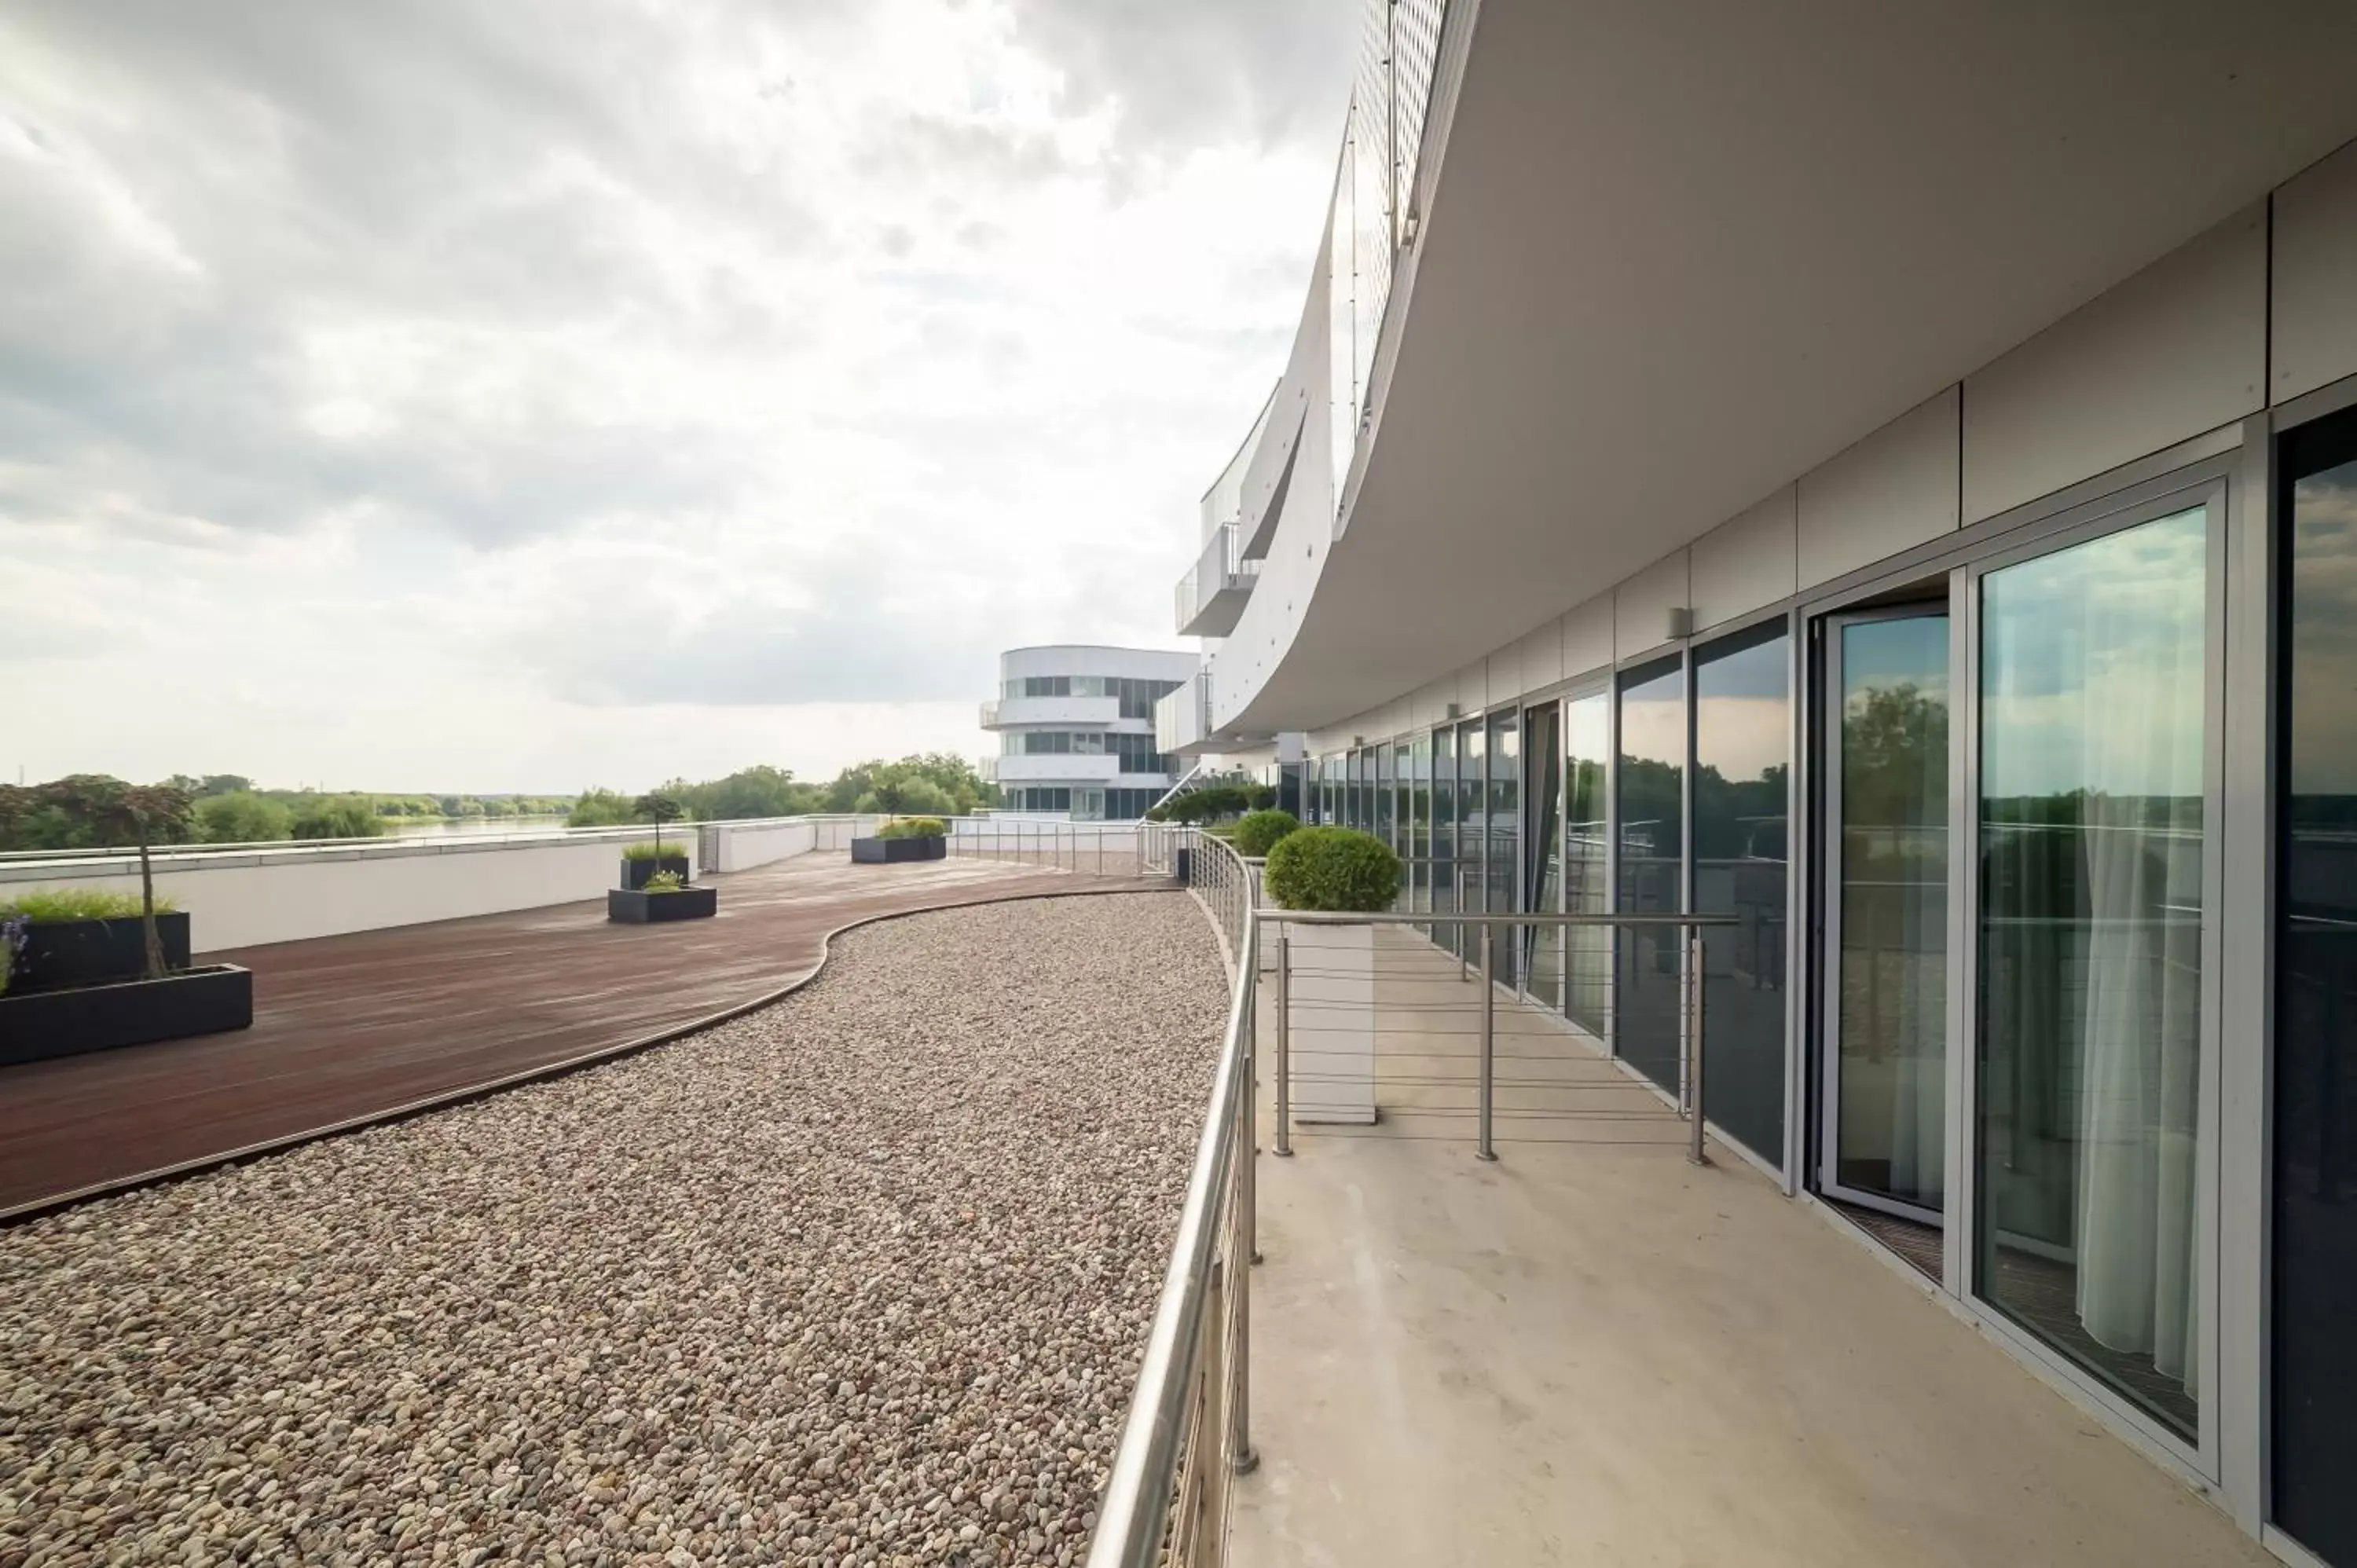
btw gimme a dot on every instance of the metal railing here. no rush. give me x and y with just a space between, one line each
1188 1432
1188 1429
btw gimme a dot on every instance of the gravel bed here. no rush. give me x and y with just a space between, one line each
862 1278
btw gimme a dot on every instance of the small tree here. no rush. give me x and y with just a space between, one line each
658 808
144 814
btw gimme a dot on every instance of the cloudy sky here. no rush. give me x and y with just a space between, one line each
519 396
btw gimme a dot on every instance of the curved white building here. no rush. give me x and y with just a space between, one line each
1075 729
1889 474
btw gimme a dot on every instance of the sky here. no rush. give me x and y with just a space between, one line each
450 396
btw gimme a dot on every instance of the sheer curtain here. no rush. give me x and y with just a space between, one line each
2093 779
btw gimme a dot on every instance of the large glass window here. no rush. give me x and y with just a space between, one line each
1472 829
2315 1253
1381 758
1587 886
1653 848
1742 760
1504 833
1444 831
1888 800
2094 740
1542 949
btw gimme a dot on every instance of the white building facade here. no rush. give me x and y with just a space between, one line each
1074 725
1893 480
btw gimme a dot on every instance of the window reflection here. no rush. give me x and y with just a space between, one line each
2093 780
2314 1155
1652 789
1587 753
1742 746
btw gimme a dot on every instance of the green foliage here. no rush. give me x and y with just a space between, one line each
55 905
240 816
599 809
664 882
657 808
1205 803
336 817
956 787
749 794
1260 830
652 849
1259 797
1332 868
914 828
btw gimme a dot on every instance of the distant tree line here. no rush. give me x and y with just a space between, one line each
936 784
228 808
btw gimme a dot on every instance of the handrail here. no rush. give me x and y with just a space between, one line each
1173 1418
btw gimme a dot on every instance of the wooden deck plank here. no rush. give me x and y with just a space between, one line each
354 1026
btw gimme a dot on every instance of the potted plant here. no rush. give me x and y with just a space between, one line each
1254 836
903 838
655 886
91 971
666 896
648 856
1331 988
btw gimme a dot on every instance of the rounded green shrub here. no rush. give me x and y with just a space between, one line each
1259 830
1332 868
914 828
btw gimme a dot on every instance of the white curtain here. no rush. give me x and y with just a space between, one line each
2140 721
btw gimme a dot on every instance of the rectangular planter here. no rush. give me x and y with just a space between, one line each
1332 1048
70 1020
885 852
636 872
633 907
84 952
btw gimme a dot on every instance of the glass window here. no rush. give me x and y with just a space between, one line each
1887 796
1472 860
1403 790
1381 758
1587 887
1419 801
1742 762
2092 789
1444 831
1653 847
2314 1254
1541 949
1504 832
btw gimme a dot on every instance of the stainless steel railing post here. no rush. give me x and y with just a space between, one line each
1459 933
1489 1035
1283 1043
1696 1152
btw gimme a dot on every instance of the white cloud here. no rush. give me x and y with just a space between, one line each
455 396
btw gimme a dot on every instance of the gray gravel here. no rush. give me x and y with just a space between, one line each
862 1278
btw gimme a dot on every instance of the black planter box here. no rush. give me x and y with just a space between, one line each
83 952
636 872
66 1021
885 852
633 907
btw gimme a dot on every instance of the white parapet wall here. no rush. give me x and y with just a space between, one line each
247 896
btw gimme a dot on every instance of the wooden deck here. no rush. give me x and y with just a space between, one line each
349 1028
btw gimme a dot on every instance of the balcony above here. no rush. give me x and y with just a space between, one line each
1212 593
1018 713
1054 767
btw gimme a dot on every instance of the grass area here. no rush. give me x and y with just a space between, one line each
51 907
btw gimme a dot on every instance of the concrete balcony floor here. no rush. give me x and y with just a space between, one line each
1592 1352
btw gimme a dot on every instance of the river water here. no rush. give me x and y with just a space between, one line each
406 828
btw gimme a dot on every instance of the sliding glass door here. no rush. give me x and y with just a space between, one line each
2314 1379
1651 836
1587 860
2094 789
1542 948
1886 943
